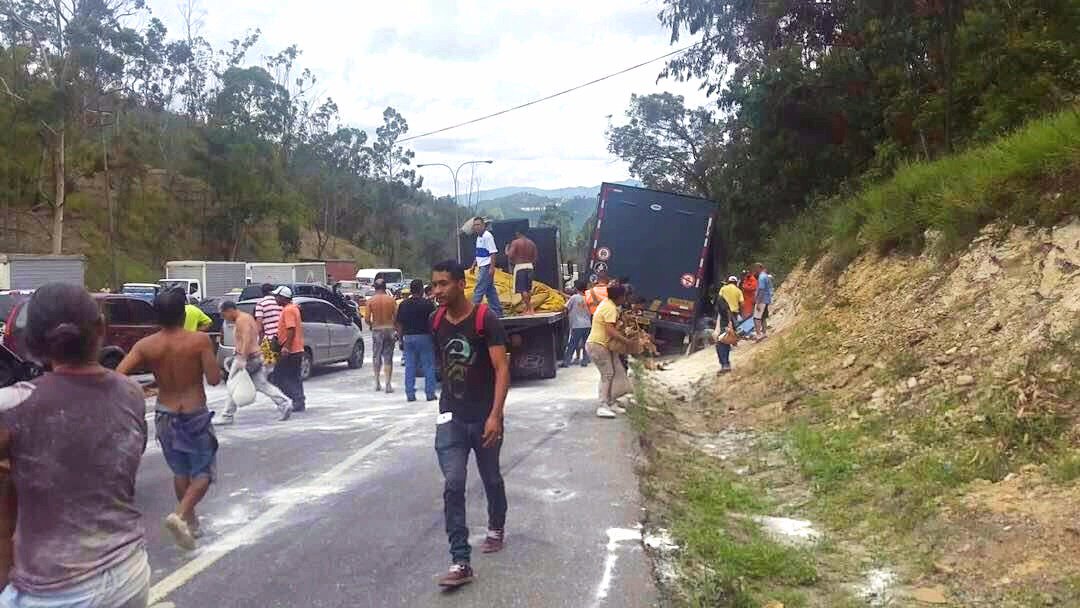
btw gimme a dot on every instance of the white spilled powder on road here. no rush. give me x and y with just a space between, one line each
306 493
876 588
236 516
790 531
615 536
663 548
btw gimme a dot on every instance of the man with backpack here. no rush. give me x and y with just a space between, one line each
470 343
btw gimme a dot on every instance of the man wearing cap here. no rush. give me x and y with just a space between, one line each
291 338
731 295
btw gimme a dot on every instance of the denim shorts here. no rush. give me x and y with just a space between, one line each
125 585
195 460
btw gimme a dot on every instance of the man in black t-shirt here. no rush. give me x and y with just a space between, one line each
471 345
414 326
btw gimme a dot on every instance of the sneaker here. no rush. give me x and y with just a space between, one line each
226 419
603 412
563 365
493 543
196 528
389 389
410 398
585 364
180 531
618 409
286 411
725 369
458 575
432 398
378 386
299 408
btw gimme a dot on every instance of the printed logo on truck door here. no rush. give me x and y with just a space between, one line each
656 207
687 280
600 267
603 254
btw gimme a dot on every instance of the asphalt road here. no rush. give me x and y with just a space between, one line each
341 506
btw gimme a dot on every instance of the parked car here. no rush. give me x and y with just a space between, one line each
312 290
329 336
128 319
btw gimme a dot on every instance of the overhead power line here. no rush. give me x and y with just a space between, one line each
554 95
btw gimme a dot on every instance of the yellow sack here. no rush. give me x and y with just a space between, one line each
544 298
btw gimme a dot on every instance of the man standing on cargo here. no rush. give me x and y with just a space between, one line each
762 300
523 254
180 360
290 337
381 316
485 270
471 343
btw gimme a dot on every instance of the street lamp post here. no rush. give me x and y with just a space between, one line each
457 203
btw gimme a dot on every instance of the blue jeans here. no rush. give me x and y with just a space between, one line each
485 286
723 351
577 343
125 585
419 350
454 440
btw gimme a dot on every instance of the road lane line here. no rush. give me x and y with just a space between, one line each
251 531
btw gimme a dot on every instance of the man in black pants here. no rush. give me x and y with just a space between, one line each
471 345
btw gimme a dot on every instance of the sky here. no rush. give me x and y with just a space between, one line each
441 62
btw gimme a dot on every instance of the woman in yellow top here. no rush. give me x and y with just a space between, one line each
613 380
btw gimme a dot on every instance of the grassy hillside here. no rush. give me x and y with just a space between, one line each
1030 176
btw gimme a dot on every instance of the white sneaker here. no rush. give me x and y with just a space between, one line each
226 419
618 409
180 532
603 412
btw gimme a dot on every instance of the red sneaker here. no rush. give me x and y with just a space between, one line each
459 574
494 542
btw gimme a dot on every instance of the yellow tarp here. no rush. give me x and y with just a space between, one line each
544 298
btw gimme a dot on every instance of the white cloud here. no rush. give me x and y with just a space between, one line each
441 62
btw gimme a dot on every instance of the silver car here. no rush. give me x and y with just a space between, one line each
329 336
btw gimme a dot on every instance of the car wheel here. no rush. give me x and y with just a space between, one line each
8 374
112 360
356 359
306 364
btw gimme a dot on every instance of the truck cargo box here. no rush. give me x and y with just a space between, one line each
31 270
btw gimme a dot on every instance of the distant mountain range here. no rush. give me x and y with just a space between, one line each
556 194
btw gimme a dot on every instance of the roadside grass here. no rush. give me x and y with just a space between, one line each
1029 176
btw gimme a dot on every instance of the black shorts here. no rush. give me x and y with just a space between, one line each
523 280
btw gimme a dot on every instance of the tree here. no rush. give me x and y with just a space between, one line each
390 160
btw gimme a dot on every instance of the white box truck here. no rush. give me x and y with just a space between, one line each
286 273
32 270
203 280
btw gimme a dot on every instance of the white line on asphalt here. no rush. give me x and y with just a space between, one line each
247 534
615 536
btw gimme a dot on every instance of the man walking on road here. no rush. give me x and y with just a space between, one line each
476 378
762 300
267 315
290 337
522 254
580 323
180 360
381 315
485 270
414 325
248 356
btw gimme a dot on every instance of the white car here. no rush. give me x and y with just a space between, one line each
329 336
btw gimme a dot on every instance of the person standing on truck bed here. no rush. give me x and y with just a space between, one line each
598 292
381 317
613 380
523 254
75 438
485 270
471 342
180 360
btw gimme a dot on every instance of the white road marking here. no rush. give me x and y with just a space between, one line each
256 527
615 536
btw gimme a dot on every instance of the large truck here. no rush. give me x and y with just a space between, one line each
536 341
205 280
337 270
24 271
661 243
286 273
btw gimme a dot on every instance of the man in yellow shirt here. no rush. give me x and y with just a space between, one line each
733 296
195 319
613 380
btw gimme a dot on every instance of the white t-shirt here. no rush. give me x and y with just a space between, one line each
485 248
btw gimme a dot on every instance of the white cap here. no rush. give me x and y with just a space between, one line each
733 279
284 292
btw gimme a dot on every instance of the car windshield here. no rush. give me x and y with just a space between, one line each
139 289
173 285
8 302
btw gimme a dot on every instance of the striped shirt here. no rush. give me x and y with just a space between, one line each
268 312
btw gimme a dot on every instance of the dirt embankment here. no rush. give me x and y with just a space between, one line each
924 414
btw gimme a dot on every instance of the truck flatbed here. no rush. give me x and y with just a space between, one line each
535 319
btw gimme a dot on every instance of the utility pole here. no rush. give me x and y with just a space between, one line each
457 203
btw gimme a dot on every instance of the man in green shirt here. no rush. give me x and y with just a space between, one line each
195 319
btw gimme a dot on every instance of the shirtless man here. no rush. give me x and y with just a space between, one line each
522 254
180 360
381 317
249 356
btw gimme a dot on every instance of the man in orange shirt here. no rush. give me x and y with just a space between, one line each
598 292
287 374
749 290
